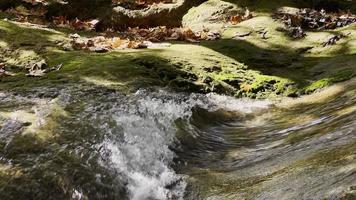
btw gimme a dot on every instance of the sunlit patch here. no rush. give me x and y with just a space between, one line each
21 57
10 171
348 168
20 115
346 110
34 26
39 120
3 44
102 82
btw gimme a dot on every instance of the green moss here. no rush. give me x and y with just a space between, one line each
21 43
126 70
318 84
253 67
210 15
339 76
79 66
343 75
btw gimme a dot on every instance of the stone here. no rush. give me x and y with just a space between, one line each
210 15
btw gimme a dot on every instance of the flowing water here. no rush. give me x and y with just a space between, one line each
84 142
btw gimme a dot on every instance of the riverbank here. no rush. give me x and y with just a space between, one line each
253 66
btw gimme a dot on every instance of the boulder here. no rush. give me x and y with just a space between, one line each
169 14
210 15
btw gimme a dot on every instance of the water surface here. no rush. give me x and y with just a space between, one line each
85 142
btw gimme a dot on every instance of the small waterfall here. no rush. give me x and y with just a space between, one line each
141 148
161 145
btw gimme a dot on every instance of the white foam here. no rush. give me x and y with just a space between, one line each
142 155
228 103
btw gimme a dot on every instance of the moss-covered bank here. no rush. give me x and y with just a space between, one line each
252 66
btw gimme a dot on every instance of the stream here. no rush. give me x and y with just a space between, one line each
85 142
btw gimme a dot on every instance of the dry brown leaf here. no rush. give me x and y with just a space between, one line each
235 19
116 42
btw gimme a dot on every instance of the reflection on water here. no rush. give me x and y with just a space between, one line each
93 143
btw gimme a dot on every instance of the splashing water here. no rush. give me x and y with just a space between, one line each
143 154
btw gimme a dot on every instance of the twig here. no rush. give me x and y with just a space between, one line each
243 34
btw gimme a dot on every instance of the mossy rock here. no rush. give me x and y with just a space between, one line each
253 67
210 15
